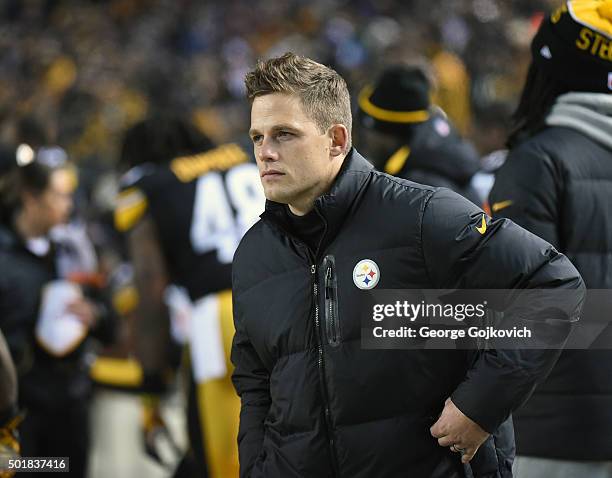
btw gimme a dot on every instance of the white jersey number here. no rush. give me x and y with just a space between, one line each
214 224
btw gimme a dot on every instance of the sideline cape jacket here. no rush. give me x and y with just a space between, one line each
314 403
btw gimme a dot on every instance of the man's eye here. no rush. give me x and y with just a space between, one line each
256 138
284 135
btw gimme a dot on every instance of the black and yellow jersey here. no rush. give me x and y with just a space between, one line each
202 205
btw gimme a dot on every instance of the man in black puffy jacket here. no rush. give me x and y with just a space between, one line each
314 402
557 183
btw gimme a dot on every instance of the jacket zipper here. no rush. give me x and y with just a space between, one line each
321 364
320 361
331 303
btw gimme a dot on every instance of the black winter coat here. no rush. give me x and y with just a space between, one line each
314 403
558 185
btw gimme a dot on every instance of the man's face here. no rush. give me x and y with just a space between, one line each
292 154
53 205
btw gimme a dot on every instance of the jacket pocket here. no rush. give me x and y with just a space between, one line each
332 322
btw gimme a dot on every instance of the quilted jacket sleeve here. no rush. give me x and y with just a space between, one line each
464 249
252 382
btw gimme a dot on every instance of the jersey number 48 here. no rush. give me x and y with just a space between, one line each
224 209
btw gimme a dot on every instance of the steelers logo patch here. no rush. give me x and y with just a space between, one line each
366 274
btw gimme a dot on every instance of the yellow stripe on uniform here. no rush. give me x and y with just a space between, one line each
131 207
221 158
397 160
498 206
382 114
219 405
116 372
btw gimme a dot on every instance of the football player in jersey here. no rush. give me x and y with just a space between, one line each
184 205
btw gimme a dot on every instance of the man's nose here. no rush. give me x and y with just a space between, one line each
267 152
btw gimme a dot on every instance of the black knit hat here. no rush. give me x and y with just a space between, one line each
398 100
574 45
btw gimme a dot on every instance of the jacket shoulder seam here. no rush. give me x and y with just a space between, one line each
415 186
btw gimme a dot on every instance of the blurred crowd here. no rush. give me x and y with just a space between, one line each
78 73
86 70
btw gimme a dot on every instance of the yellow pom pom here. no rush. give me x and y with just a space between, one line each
605 10
593 14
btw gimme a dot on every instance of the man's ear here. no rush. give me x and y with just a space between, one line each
339 136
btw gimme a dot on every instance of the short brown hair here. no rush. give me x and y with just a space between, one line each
322 91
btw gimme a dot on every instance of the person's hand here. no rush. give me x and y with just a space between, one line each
457 431
84 310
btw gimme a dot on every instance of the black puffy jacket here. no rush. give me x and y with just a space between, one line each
558 185
314 403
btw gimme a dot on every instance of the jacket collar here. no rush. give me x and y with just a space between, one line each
334 206
11 242
587 113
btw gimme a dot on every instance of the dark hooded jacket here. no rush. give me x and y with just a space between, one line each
314 402
558 185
